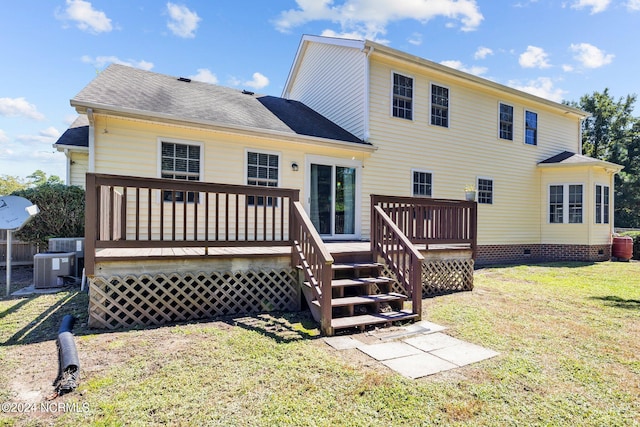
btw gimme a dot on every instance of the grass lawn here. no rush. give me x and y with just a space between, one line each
568 337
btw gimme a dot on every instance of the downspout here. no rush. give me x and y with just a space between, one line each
67 154
369 51
92 150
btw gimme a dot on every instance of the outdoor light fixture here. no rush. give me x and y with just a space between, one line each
294 166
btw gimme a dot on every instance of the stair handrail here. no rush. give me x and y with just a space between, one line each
392 245
310 252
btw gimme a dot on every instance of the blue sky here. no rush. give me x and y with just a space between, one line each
50 50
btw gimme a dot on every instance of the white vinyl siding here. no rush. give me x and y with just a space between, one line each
332 81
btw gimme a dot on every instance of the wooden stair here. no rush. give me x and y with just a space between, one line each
360 296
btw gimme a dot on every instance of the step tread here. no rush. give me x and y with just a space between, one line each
336 283
355 265
371 319
364 299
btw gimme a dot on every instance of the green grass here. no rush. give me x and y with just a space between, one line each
568 337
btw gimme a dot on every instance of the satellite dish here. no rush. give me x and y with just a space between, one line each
15 212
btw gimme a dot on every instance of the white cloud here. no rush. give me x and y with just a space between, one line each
19 107
183 22
415 39
353 35
590 56
534 57
371 17
596 6
86 17
542 87
478 71
633 5
259 81
45 136
206 76
3 136
103 61
567 68
482 52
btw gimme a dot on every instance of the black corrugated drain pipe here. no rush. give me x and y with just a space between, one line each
68 362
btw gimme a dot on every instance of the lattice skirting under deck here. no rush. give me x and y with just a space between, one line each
440 277
161 298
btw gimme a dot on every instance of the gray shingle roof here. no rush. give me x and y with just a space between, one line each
77 135
124 88
567 158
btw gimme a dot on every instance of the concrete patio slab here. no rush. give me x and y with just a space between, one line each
419 365
343 343
425 326
464 353
389 350
433 341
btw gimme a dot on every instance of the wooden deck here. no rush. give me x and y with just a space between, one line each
334 247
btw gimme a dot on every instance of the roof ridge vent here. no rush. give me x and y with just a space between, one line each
247 92
184 79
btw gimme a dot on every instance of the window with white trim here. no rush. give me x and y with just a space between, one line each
422 184
566 198
182 162
485 191
531 128
439 106
262 170
402 96
602 204
506 121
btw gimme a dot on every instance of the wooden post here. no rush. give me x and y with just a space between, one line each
8 263
91 224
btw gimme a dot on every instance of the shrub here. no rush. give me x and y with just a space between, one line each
61 213
635 235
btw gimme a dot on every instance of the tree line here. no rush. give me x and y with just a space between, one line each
612 134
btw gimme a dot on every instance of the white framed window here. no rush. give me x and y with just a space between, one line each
485 190
180 160
505 121
602 203
530 128
422 183
566 203
402 104
262 169
439 105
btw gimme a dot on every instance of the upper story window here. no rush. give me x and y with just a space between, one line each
422 184
262 170
485 191
531 128
402 96
180 161
506 122
565 198
439 106
602 204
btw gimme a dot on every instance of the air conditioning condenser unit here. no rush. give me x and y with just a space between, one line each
49 269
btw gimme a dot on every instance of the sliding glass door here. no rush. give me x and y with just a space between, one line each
332 199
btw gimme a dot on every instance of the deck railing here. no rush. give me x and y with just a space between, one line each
311 254
134 212
432 221
389 243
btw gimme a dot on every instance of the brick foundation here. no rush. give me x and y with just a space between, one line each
517 254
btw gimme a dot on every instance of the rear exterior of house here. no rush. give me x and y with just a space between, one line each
206 201
437 130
